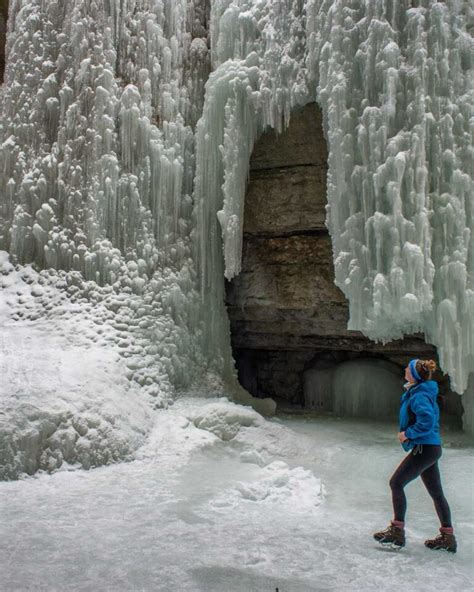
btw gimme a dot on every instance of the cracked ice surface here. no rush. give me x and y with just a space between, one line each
276 505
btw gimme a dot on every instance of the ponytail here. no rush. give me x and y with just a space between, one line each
426 368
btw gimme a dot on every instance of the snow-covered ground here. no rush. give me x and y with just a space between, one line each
219 499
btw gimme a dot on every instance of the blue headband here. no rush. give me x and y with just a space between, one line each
414 373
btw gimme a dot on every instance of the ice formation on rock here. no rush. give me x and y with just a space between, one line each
395 83
97 152
355 388
124 162
97 157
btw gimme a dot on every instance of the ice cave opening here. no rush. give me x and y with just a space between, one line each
288 318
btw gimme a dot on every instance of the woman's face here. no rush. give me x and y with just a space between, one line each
408 375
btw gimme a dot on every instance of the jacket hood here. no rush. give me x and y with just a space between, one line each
429 387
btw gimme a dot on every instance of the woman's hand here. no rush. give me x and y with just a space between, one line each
402 437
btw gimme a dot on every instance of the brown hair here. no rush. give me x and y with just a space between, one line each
425 368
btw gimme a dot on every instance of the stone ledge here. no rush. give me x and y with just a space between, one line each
251 338
285 200
301 143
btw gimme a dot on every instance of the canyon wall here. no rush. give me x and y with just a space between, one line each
287 316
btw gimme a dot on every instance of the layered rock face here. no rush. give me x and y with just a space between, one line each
288 319
3 33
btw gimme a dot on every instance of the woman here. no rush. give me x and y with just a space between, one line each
419 434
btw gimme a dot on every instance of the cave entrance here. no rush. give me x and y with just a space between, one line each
288 319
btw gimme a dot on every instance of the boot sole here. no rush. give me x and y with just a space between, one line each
392 546
441 549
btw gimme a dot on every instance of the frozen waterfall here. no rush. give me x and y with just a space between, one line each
126 130
395 83
97 151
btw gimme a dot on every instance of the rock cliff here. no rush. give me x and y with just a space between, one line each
287 315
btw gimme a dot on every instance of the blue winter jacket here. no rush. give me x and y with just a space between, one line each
421 399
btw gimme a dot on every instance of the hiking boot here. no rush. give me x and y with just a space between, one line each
445 541
392 536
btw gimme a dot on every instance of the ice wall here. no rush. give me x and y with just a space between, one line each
395 82
124 172
97 156
97 115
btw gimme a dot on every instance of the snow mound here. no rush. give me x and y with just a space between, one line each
224 419
67 394
64 405
297 489
253 457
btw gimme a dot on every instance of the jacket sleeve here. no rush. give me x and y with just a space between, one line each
422 407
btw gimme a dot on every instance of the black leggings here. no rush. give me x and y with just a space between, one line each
422 461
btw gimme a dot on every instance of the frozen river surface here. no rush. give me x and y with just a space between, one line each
289 503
